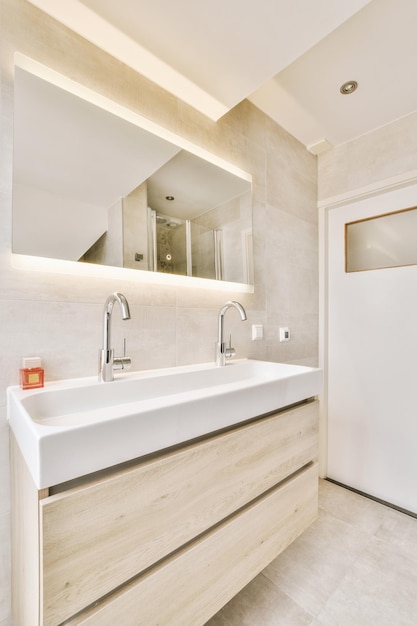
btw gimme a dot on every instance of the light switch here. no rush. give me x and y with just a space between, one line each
257 332
284 334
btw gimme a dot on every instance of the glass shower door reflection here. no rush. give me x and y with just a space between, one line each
183 247
203 251
167 244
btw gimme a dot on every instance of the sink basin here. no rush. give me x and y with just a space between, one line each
74 427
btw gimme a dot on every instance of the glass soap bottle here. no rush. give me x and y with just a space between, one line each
32 373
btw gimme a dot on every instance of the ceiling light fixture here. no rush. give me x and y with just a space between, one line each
169 198
349 87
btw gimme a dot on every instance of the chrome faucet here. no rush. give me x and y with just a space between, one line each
107 361
223 353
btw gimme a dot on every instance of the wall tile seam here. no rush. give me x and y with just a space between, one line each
301 180
293 213
285 167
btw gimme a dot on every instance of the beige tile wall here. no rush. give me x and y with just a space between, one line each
59 318
387 152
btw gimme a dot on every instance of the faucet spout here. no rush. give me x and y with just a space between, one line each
223 353
107 313
108 362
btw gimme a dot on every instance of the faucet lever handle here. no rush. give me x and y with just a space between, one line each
122 362
230 351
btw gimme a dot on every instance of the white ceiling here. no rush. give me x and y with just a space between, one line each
289 57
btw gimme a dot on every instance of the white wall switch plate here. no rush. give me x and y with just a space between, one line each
284 334
257 332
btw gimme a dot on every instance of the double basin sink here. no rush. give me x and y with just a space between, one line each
72 428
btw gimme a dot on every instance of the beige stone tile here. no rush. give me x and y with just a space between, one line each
206 298
196 336
380 588
25 284
191 297
255 349
291 192
333 172
367 154
151 337
238 137
260 233
311 568
68 335
303 346
261 603
278 140
247 120
292 267
351 507
400 530
258 350
290 239
364 161
198 128
290 187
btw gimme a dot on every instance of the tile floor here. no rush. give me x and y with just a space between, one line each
355 566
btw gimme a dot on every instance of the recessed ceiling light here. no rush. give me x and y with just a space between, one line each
349 87
169 198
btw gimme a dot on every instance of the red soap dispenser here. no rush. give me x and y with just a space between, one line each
32 373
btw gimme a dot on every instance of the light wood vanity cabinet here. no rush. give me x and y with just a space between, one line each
168 540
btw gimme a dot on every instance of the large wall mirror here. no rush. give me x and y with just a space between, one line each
96 187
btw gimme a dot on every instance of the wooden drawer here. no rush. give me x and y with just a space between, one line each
98 536
191 586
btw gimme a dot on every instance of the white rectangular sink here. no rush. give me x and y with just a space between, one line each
74 427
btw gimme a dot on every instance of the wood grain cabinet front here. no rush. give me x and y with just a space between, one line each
200 521
192 585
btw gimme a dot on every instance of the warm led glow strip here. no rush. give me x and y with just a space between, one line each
93 97
82 20
73 268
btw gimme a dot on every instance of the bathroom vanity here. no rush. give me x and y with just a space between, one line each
168 537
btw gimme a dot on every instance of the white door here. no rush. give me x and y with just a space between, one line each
372 365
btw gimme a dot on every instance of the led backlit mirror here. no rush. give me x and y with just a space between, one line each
90 185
